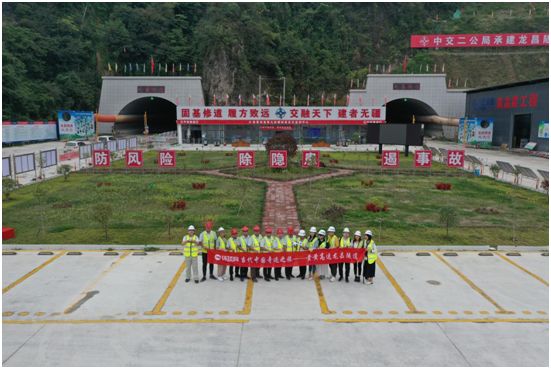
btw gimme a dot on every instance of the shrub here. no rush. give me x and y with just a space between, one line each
8 186
102 214
283 141
241 143
367 183
199 186
205 161
62 205
333 161
322 164
180 153
334 213
486 210
228 154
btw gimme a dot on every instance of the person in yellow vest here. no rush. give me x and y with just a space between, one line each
254 246
207 240
277 246
242 246
357 243
312 245
266 246
221 245
333 242
345 241
232 245
302 245
191 250
370 257
289 244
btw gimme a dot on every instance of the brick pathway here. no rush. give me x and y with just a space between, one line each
280 208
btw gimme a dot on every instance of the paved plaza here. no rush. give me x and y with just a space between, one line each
433 308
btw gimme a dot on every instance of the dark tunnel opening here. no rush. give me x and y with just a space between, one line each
403 110
161 116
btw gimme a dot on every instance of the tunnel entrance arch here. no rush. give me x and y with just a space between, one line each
161 116
402 110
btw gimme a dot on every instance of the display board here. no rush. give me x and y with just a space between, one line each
75 124
23 163
6 167
24 131
476 131
49 158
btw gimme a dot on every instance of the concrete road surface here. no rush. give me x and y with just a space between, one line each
137 310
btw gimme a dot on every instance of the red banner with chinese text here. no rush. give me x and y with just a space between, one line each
480 40
285 259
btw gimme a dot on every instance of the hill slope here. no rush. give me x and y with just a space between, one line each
54 54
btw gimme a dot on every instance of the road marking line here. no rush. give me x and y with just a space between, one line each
72 307
247 305
23 313
32 272
469 282
323 303
347 312
7 313
130 321
157 310
412 309
433 320
523 269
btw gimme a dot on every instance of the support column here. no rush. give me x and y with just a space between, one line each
180 138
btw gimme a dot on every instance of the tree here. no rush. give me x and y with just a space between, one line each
8 186
283 141
494 168
64 169
102 213
448 218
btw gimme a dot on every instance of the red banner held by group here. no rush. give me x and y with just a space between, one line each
285 259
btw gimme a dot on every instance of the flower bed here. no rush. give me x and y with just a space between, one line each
199 186
228 154
241 143
321 144
371 206
99 184
178 205
205 161
443 186
333 161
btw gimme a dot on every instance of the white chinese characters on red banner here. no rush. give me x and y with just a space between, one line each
278 158
101 158
423 159
134 158
166 158
284 259
280 115
390 159
480 40
310 158
456 158
245 159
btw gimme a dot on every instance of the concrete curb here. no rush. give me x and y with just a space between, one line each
380 247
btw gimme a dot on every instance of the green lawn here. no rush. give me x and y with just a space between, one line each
140 203
370 160
413 217
189 160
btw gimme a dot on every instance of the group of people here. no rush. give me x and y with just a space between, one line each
364 271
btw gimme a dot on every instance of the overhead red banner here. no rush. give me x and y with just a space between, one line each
285 259
479 40
280 115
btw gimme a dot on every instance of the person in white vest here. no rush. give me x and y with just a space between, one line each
207 240
190 242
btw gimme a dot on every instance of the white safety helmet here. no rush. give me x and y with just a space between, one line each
358 233
331 229
191 228
313 229
302 233
220 229
346 230
322 232
368 233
